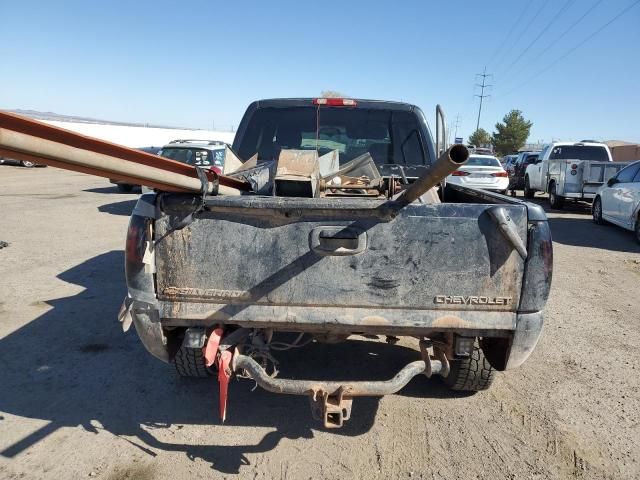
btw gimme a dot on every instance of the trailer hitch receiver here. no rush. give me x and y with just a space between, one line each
332 410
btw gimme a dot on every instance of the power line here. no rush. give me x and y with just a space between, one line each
566 5
562 35
482 96
585 40
598 2
526 29
513 27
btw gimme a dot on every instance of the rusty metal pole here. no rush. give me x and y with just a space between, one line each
448 162
26 139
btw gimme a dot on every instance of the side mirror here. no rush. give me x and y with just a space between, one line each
612 181
538 161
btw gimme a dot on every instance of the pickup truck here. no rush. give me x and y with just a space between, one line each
570 170
466 278
519 166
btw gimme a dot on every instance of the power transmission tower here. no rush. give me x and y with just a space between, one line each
482 96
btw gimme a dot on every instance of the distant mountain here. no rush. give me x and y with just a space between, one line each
51 116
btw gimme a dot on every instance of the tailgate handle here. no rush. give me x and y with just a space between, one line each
337 240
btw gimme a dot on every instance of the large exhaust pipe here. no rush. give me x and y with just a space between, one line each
26 139
448 162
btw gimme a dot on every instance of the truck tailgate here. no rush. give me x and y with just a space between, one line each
323 258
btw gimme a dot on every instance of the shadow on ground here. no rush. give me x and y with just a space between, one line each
119 208
111 189
582 232
568 229
73 366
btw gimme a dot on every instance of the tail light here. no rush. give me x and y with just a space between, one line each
335 102
460 173
500 174
218 170
136 239
574 166
538 269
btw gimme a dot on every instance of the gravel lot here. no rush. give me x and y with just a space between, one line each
78 398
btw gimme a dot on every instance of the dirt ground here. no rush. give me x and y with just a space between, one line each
78 398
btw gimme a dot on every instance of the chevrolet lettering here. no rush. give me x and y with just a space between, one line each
471 300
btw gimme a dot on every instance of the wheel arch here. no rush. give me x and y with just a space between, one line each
551 182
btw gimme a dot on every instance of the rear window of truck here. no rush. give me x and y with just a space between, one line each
391 137
579 152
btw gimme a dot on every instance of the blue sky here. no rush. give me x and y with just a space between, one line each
192 63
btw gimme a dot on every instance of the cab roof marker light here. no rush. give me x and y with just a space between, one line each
335 102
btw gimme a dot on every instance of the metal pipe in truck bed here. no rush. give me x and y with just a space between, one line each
447 163
26 139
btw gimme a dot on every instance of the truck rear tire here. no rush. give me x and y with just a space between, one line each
528 192
470 374
190 362
555 201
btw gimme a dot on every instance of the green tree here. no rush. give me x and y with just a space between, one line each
480 137
331 94
512 133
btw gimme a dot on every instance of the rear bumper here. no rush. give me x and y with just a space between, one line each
523 329
497 185
336 319
580 196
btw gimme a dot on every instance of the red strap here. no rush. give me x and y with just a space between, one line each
224 374
210 349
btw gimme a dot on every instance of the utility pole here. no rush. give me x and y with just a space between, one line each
482 96
455 135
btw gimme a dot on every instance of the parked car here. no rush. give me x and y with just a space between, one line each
23 163
127 187
618 201
481 151
507 160
200 153
570 170
481 171
518 168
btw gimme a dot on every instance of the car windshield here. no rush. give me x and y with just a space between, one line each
482 162
194 156
579 152
390 137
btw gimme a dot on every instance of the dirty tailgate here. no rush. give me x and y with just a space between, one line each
348 263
